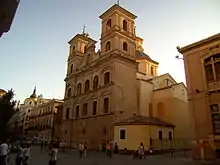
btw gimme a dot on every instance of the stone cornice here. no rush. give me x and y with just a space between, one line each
92 116
210 39
116 30
116 7
91 92
103 59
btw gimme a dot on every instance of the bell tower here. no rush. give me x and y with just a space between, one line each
118 31
79 45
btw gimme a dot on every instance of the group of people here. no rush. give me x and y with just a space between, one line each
139 153
83 148
22 154
111 148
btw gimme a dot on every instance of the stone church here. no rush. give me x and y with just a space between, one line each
112 84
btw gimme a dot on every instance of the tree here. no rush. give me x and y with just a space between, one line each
7 110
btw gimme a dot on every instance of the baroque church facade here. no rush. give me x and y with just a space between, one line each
110 85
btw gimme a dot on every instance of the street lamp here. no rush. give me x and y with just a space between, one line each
179 58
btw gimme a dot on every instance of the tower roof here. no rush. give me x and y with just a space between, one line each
141 55
119 8
144 120
84 37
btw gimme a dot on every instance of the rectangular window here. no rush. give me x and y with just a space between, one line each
106 78
215 118
77 111
94 112
214 108
122 134
106 105
67 113
217 70
170 135
209 73
160 134
150 110
85 109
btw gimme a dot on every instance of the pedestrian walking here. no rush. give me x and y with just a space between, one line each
116 148
141 151
64 146
45 144
26 154
80 148
41 146
109 149
19 156
85 149
53 154
4 151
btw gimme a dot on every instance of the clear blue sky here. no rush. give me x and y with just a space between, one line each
35 50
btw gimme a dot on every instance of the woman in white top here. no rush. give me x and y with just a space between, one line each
53 155
19 155
141 151
26 154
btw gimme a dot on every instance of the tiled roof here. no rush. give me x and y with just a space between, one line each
142 55
83 37
144 120
115 7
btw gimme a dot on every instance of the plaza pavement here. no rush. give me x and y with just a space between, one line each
71 157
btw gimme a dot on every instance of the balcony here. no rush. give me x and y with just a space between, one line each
213 85
40 127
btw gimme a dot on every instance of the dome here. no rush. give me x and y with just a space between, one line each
33 96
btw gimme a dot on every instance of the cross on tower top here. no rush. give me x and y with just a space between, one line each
84 29
118 2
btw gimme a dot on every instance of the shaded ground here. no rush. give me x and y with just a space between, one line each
93 158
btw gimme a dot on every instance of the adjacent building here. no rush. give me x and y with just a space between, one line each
202 68
7 13
163 115
58 122
119 83
41 120
2 92
26 107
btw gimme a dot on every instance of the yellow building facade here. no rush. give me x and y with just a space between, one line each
26 107
129 133
41 122
202 68
113 83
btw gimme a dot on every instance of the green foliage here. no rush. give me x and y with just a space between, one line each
7 110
